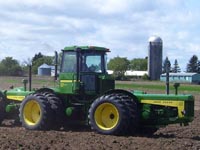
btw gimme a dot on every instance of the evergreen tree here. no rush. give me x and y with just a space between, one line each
198 67
193 65
37 56
176 67
165 63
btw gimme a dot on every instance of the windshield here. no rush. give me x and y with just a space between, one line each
93 62
69 62
89 62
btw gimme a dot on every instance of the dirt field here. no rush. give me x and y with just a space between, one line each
168 138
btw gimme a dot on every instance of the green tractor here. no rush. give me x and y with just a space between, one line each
86 94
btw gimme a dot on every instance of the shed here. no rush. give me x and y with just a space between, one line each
44 70
135 73
182 77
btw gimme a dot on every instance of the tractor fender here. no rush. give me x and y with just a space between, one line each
129 93
42 90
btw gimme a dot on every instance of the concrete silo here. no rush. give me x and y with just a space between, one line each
155 58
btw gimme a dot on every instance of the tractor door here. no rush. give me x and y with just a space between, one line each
68 73
92 65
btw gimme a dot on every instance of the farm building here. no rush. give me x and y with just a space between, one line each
182 77
135 73
44 70
131 73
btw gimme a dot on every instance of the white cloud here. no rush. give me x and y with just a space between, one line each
111 6
124 26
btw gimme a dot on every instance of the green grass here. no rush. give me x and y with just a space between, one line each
148 86
158 86
11 81
37 82
139 86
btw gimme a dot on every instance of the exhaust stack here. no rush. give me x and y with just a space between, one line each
56 66
30 77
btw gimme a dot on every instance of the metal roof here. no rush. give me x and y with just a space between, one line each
44 66
72 48
181 74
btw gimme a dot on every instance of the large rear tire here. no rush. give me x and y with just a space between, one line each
35 113
109 115
57 108
132 106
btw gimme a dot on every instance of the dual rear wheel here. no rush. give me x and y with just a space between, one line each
114 114
40 111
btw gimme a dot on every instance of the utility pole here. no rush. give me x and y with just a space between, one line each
167 76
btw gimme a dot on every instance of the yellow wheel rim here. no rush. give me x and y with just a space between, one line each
32 112
106 116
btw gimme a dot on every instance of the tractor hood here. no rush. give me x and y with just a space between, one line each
17 94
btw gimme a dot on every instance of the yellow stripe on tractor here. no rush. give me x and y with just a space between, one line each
65 81
17 98
170 103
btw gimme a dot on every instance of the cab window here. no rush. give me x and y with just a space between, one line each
69 62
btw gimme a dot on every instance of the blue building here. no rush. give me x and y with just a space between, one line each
182 77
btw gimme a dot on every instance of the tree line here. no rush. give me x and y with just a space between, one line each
121 65
174 69
11 67
193 66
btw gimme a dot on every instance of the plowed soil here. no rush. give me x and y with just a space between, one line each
74 138
172 137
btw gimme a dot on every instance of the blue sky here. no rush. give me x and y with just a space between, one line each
31 26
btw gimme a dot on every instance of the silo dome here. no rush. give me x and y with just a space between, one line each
155 39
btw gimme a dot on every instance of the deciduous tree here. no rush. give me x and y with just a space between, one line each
138 64
10 67
119 66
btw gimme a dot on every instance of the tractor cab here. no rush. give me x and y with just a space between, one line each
84 70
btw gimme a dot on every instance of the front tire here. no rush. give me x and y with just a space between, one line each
108 115
35 113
